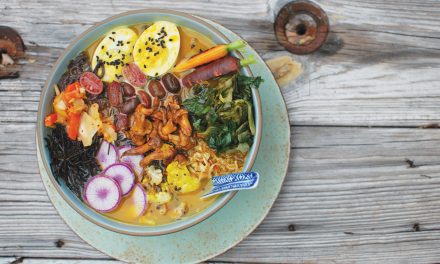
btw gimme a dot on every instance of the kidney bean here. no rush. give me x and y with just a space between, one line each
121 122
171 83
128 90
156 89
145 98
114 94
129 106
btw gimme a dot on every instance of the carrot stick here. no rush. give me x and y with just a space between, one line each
216 68
209 55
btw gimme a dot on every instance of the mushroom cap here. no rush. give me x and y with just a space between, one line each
11 42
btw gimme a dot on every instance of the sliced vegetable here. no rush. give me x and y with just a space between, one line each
216 68
107 155
209 55
134 75
50 120
132 161
73 91
102 193
139 199
73 125
77 106
91 83
60 107
108 131
87 129
123 175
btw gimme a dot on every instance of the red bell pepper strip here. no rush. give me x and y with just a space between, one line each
50 119
72 91
73 125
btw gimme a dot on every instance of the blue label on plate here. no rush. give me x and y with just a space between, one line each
233 182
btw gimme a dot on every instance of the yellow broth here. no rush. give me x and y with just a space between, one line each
191 43
126 212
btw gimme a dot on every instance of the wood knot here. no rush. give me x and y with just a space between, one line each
301 27
17 260
416 227
291 227
59 243
410 163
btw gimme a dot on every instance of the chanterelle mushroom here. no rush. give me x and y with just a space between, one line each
11 48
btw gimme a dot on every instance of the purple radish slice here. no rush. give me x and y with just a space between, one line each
139 199
107 155
132 161
123 175
102 193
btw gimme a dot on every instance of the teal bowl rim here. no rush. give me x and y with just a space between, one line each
88 37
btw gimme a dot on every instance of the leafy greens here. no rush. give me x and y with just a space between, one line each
222 112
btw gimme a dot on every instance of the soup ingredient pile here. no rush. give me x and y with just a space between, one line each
139 138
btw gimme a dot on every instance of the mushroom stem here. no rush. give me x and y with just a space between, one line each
6 59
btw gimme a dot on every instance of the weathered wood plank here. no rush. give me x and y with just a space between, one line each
349 195
373 70
55 261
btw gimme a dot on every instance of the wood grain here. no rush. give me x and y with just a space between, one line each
375 71
350 195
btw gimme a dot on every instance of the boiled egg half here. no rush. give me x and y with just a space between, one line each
115 50
157 48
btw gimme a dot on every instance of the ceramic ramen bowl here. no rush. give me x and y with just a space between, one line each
45 107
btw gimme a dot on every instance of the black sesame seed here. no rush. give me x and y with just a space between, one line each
139 50
148 57
145 66
113 32
156 74
128 42
170 39
109 56
102 47
119 51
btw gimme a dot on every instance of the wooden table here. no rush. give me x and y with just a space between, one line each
364 178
